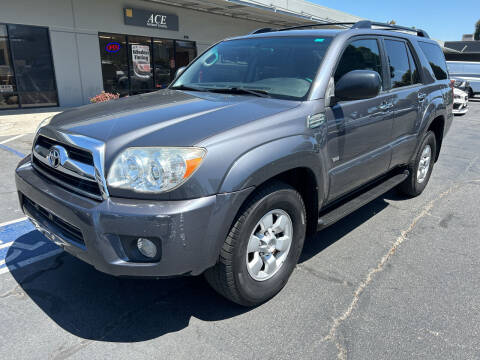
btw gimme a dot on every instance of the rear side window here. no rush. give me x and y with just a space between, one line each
361 54
436 59
400 72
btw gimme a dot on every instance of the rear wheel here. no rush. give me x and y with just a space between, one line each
262 248
420 167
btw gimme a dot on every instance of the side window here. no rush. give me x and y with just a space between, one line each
399 65
413 68
436 59
360 55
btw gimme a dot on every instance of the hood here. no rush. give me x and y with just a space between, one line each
165 117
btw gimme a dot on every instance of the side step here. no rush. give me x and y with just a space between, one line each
346 208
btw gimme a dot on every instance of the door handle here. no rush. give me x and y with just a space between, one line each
421 97
385 105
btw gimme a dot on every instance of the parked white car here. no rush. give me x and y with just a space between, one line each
460 101
466 71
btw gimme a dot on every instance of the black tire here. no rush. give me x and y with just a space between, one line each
230 277
411 186
470 93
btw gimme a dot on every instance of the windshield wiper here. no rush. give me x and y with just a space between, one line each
188 88
238 90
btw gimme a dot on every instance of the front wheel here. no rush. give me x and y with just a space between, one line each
262 248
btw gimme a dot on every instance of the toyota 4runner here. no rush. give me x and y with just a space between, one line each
260 141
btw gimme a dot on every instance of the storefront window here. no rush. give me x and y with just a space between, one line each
113 51
137 64
32 62
141 74
8 94
164 62
185 52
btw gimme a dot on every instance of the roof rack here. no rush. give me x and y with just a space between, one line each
366 24
363 24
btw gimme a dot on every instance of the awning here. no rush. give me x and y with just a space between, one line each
273 13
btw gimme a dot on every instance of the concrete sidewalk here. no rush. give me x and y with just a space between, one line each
16 122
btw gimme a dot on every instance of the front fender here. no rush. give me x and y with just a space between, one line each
270 159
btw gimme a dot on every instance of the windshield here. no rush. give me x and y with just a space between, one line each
276 67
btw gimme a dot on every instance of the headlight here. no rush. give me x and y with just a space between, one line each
154 169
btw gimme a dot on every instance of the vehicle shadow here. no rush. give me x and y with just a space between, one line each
96 306
323 239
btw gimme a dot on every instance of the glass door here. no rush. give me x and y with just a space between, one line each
164 62
113 53
140 57
185 52
8 88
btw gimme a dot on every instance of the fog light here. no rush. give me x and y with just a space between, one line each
147 248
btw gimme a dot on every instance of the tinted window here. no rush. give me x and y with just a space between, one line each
30 47
185 52
436 59
283 67
413 68
164 62
141 74
8 91
360 55
113 52
397 55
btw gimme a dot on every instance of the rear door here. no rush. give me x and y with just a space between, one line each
359 132
407 96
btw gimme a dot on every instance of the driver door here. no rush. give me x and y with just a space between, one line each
359 131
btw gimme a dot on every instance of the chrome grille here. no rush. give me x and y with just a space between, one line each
74 168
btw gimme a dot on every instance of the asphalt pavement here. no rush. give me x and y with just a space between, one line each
397 279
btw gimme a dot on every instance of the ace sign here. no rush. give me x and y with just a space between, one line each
151 19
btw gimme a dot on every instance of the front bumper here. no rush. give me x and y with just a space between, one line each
460 107
189 233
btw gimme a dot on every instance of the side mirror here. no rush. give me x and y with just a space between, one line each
358 85
179 71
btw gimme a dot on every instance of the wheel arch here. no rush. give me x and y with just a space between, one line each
437 126
292 160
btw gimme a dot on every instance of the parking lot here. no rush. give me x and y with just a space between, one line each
397 279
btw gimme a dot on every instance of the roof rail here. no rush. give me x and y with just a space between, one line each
363 24
262 30
367 24
318 24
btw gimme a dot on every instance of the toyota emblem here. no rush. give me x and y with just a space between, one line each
54 157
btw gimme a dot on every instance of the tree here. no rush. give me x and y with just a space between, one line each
476 36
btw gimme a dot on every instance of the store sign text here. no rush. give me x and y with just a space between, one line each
148 18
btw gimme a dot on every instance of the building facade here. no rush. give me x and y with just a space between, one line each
63 52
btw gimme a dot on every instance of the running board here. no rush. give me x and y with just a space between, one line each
346 208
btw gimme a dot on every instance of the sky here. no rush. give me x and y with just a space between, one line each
441 19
